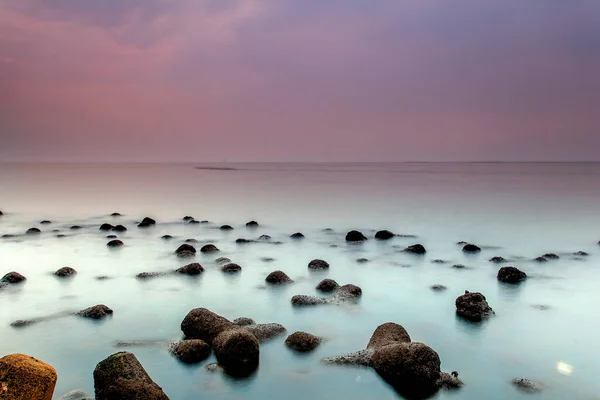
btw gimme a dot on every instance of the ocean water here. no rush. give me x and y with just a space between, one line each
518 211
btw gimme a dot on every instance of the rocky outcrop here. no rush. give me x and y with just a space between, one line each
231 268
209 248
327 286
96 312
416 249
384 235
278 278
25 378
318 264
473 306
355 236
471 248
190 351
511 275
13 277
190 269
115 243
65 272
302 342
121 376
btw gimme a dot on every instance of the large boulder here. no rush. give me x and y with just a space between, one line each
190 351
511 275
384 235
473 306
355 236
13 277
209 248
121 376
65 272
416 249
201 323
471 248
318 264
98 311
190 269
302 342
25 378
278 278
327 286
388 333
237 351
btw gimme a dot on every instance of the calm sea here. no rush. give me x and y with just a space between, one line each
518 211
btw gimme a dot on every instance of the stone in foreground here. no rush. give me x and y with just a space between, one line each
237 351
25 378
473 306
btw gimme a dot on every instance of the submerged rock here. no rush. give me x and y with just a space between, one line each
362 260
327 285
471 248
252 224
26 378
438 288
237 351
416 249
384 235
115 214
33 231
297 235
318 264
190 351
527 385
222 260
193 222
551 256
242 241
278 278
185 250
302 342
264 237
121 376
540 259
106 227
45 222
209 248
511 275
191 240
303 300
348 292
231 267
148 275
65 272
188 218
226 228
267 259
119 228
111 236
473 306
75 227
75 395
95 312
191 269
497 259
166 237
581 254
13 277
362 357
115 243
355 236
459 266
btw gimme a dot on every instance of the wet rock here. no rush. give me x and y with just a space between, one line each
265 332
25 378
119 228
387 334
226 228
264 237
231 267
201 323
497 259
581 254
243 321
242 241
540 259
511 275
111 236
95 312
74 395
527 385
318 264
121 376
416 249
237 351
302 342
188 218
438 288
222 260
473 306
75 227
355 236
278 278
303 300
1 213
191 269
471 248
551 256
348 292
209 248
45 222
327 285
190 351
115 243
459 266
384 235
166 237
115 214
252 224
13 277
148 275
32 231
185 250
106 227
65 272
297 235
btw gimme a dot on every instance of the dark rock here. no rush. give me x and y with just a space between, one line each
148 221
355 236
115 214
252 224
121 376
267 259
190 351
55 230
540 259
106 227
75 227
581 253
449 381
438 261
65 272
265 332
497 259
362 260
191 240
473 306
278 278
222 260
185 250
302 342
242 241
551 256
13 277
103 278
327 285
438 288
193 222
1 213
61 235
111 236
511 275
226 228
303 300
95 312
297 235
237 351
209 248
8 236
119 228
362 357
462 243
45 222
191 269
201 323
148 275
318 264
204 222
231 267
416 249
348 292
32 231
243 321
387 334
264 237
115 243
384 235
23 377
527 385
188 218
471 248
459 266
166 237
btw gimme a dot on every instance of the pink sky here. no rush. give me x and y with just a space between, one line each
311 80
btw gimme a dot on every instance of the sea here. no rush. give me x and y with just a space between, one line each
545 329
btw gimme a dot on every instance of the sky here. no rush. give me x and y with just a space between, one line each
299 80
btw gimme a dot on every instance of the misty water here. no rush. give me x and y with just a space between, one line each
518 211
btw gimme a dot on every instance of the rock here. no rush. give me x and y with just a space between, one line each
388 333
581 253
362 357
243 321
75 227
115 243
384 235
438 288
327 285
511 275
74 395
449 381
222 260
188 218
191 269
415 249
362 260
106 227
473 306
111 236
226 228
166 237
148 275
267 259
95 312
213 367
265 332
318 264
540 259
297 235
115 214
264 237
462 243
303 300
237 351
193 222
551 256
25 378
121 376
201 323
355 236
459 266
1 213
191 240
278 278
302 342
209 248
8 236
242 241
527 385
61 235
190 351
348 292
13 277
148 221
497 259
32 231
412 368
252 224
103 278
471 248
45 222
438 261
231 267
119 228
65 272
185 250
